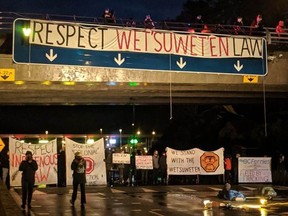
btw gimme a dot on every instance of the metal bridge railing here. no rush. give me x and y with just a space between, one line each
7 18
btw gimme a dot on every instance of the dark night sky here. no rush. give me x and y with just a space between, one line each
82 119
158 9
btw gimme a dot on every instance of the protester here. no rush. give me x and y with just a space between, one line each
280 28
228 168
281 170
235 163
28 168
237 25
257 28
199 23
108 16
163 168
229 194
62 167
206 29
156 166
78 166
148 22
5 168
131 23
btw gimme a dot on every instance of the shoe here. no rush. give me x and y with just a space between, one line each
72 203
23 206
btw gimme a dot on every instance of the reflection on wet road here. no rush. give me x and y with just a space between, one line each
162 200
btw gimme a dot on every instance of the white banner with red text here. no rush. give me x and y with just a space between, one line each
45 156
112 38
94 155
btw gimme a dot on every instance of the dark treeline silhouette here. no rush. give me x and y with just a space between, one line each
226 11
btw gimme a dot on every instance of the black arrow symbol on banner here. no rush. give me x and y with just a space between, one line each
5 77
250 79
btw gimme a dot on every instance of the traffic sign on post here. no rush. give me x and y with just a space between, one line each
2 145
63 43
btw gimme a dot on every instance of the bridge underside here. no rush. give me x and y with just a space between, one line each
70 85
144 93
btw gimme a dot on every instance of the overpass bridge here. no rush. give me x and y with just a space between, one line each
30 83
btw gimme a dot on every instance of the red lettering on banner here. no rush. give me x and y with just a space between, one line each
180 43
136 41
192 45
16 159
170 42
41 176
158 42
46 160
123 39
212 47
202 45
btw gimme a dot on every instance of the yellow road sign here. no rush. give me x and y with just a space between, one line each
2 145
7 74
250 79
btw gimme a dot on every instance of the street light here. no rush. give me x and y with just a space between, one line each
120 131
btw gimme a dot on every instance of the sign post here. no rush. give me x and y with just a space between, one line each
2 145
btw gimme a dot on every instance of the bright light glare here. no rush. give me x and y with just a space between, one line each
263 201
27 31
43 141
90 141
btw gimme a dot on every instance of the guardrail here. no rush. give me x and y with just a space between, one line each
273 38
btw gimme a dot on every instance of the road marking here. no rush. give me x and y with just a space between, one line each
136 210
187 189
215 189
249 188
39 192
116 191
152 212
146 190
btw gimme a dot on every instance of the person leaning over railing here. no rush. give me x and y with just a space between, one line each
280 28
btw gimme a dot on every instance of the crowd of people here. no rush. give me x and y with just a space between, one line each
255 28
132 176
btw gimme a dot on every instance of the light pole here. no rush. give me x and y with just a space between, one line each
120 131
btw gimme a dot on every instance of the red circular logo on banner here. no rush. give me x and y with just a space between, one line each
89 165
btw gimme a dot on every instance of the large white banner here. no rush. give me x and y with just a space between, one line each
107 38
45 156
94 154
254 169
195 162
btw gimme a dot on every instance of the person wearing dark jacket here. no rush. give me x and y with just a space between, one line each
5 168
28 168
79 178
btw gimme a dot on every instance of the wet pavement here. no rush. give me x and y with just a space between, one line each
153 200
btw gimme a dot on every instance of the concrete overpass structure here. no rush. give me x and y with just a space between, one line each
69 85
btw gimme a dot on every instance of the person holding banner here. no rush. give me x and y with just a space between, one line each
78 166
28 168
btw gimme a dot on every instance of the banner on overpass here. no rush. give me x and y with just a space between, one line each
52 42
